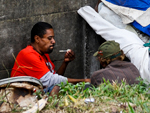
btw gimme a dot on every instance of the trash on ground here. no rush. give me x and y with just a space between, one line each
88 100
15 94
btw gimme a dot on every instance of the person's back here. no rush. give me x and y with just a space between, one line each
115 69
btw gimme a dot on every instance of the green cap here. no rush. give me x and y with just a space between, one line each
107 49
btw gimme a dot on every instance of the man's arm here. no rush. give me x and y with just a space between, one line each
74 81
50 79
62 68
69 56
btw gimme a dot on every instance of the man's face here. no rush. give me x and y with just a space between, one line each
102 64
46 44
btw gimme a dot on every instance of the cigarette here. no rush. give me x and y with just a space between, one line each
64 50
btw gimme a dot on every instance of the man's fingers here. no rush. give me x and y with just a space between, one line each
70 54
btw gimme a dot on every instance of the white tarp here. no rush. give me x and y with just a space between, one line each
128 15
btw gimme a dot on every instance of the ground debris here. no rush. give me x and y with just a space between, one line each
17 96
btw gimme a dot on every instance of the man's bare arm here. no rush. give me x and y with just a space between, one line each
69 56
62 68
74 81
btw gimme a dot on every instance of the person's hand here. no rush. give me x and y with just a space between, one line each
69 56
88 80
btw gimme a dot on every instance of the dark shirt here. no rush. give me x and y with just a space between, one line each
116 70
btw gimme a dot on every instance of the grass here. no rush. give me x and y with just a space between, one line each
109 98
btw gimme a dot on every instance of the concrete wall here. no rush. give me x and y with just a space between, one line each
17 18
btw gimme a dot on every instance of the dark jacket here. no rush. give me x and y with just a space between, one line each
116 70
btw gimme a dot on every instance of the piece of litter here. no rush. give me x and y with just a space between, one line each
64 50
89 100
38 106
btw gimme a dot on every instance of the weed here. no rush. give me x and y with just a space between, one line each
109 97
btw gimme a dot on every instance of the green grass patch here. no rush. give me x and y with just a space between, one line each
109 97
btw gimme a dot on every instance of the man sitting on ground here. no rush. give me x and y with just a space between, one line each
35 60
115 69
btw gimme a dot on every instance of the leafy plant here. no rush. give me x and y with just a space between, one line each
108 97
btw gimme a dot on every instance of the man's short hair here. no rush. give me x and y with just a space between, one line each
39 29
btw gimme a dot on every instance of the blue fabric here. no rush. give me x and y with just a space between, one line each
136 4
145 30
48 89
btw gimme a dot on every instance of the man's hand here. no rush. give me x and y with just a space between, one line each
69 56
